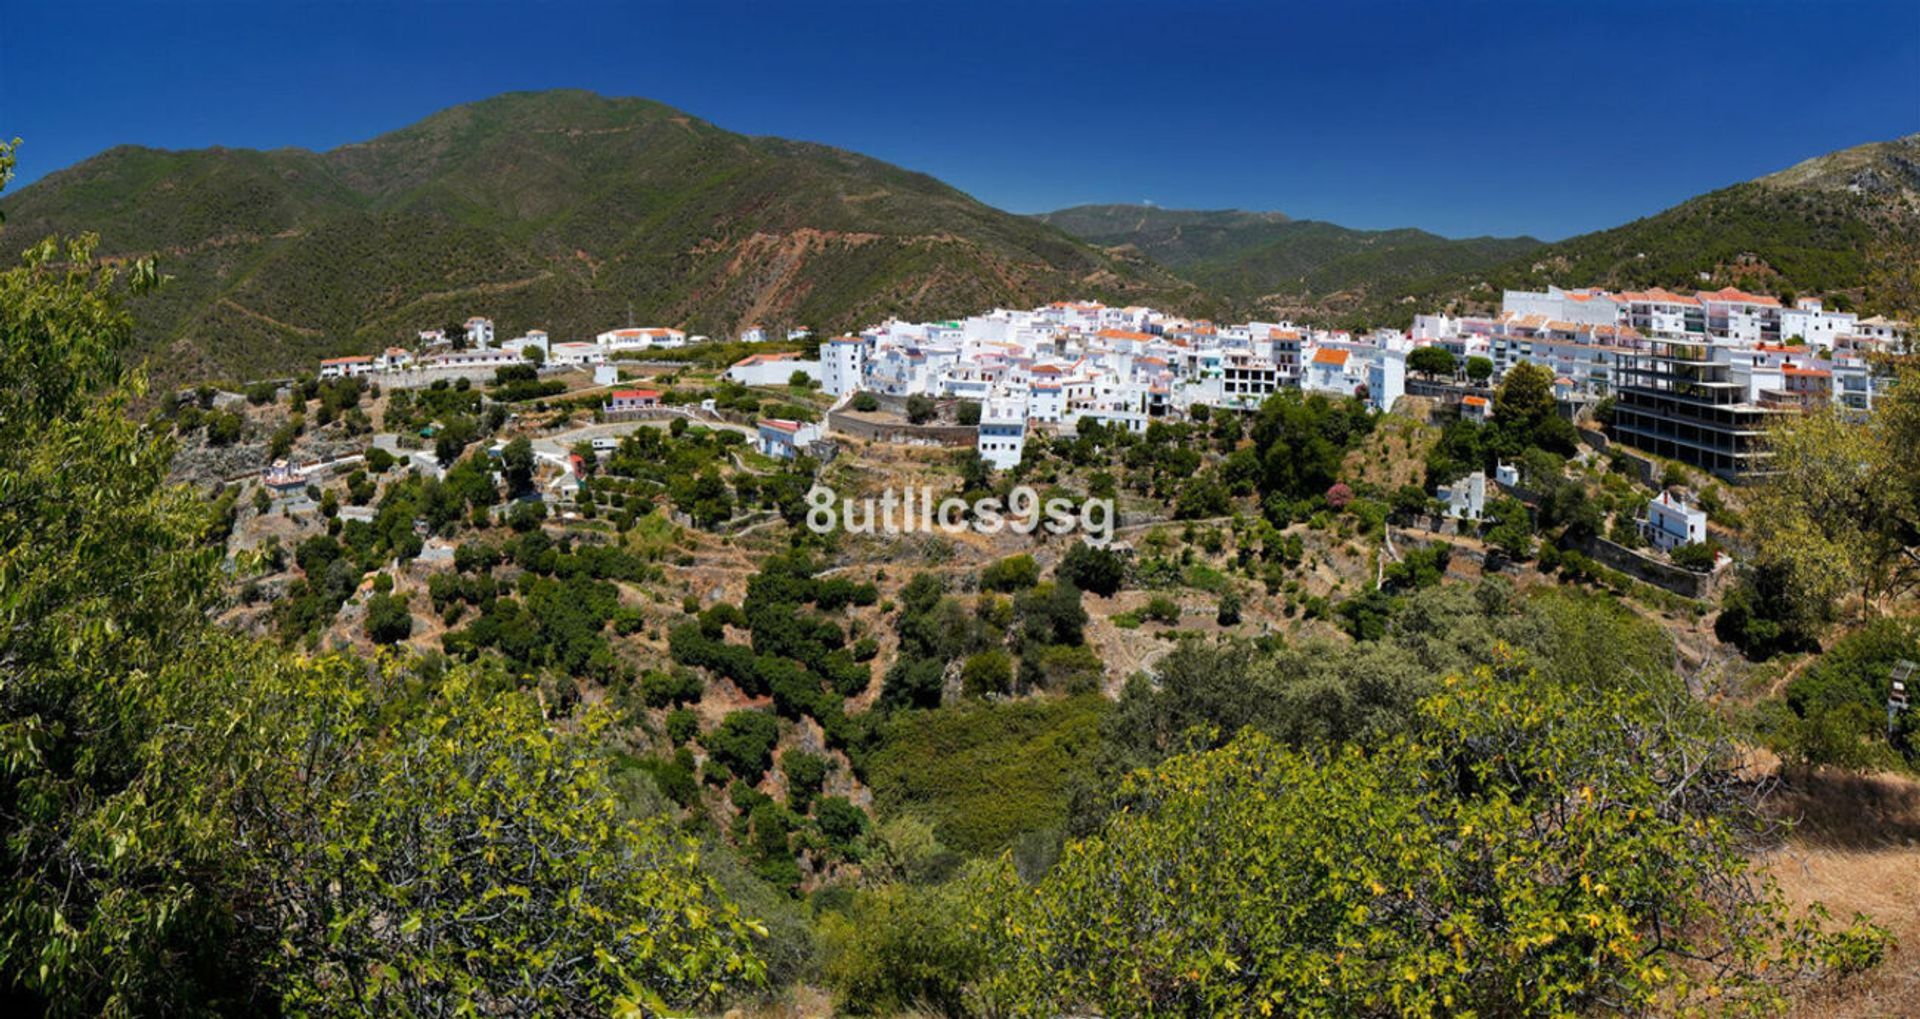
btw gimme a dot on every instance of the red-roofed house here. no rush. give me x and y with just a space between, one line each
346 367
626 401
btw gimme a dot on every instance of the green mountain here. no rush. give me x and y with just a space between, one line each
1267 262
560 210
1845 225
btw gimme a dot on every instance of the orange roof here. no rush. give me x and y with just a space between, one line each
637 331
1474 401
1283 334
1329 355
352 359
1658 296
636 394
753 359
1734 295
1814 373
1123 334
781 424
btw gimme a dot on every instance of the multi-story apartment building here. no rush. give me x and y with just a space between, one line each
1678 400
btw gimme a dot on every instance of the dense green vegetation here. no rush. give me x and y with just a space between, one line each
984 773
1313 799
1519 846
201 824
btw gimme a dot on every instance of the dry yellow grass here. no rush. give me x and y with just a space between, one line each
1856 848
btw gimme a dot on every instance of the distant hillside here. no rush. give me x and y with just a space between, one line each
1847 224
1264 261
559 210
1172 237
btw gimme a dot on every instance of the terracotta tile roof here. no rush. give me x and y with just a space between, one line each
1734 295
753 359
1329 355
1658 296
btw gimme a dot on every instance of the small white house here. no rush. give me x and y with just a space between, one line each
346 367
1671 523
533 338
770 369
785 439
753 334
581 354
1466 499
627 400
1477 409
1003 432
1331 371
283 479
479 331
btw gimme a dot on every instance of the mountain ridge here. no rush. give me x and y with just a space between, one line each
1844 224
1269 262
571 211
564 210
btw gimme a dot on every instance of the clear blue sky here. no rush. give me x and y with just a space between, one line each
1542 118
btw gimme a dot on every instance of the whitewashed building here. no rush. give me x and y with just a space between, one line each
843 365
1465 499
1003 432
784 440
479 332
1671 523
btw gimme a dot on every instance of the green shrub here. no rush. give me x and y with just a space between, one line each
743 743
989 672
983 772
